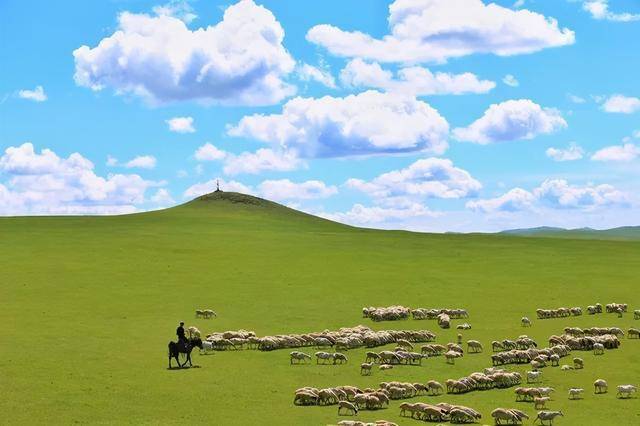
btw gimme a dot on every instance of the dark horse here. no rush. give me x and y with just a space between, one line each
177 348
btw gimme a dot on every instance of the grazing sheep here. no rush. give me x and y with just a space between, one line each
473 346
435 388
555 360
339 358
209 313
366 368
540 402
348 406
510 416
547 416
464 326
633 333
598 349
450 356
385 367
566 367
199 313
625 391
636 314
299 357
600 386
324 356
533 376
576 393
525 322
578 363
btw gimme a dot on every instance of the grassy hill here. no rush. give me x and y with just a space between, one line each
88 304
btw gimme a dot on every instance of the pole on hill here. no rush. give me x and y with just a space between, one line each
218 185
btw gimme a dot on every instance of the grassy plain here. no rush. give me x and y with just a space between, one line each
88 304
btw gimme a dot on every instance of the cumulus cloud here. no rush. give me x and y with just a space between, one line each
284 189
141 162
412 80
511 120
573 152
367 123
181 124
308 72
36 95
208 152
553 193
430 178
621 104
180 9
44 183
436 30
263 159
515 200
239 61
599 9
510 80
203 188
625 152
162 197
576 99
363 215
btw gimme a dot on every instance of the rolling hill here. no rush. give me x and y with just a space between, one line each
88 304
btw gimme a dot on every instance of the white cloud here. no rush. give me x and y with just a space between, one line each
37 94
112 161
573 152
555 194
180 9
206 187
362 124
516 199
44 183
162 197
362 215
411 80
141 162
510 80
518 4
308 72
182 174
435 30
239 61
576 99
625 152
511 120
208 152
263 159
181 124
284 189
431 177
622 104
599 9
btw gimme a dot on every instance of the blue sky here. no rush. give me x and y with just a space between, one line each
430 115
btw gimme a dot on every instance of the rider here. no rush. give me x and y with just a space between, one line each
180 333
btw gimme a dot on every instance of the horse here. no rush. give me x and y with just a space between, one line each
176 348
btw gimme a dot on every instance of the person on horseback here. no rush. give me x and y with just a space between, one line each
182 339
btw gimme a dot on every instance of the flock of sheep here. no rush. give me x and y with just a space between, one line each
522 350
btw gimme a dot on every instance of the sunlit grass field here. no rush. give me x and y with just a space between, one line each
88 305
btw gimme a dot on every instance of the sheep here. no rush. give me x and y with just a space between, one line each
510 416
299 357
598 349
625 391
578 363
405 344
636 314
349 407
576 393
540 402
372 357
450 356
339 358
209 313
206 347
633 332
199 313
566 367
464 326
547 416
525 322
324 356
473 346
385 367
533 376
366 368
435 388
555 360
600 386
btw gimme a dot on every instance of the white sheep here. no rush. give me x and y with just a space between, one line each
575 393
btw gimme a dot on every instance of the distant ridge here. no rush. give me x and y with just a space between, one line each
621 233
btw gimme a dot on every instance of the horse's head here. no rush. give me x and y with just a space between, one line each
197 342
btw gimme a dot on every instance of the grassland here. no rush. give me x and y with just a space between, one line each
88 304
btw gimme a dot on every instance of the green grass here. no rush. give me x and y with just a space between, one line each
88 304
